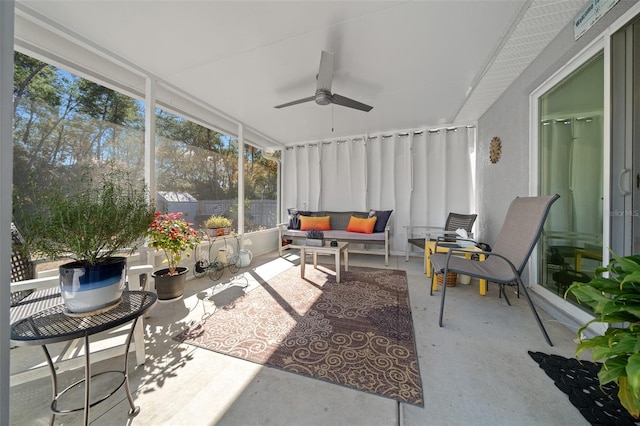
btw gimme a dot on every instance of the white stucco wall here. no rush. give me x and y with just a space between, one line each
508 118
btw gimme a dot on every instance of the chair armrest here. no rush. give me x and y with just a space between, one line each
486 253
35 284
458 238
140 269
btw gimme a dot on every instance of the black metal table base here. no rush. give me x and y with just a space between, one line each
87 382
52 325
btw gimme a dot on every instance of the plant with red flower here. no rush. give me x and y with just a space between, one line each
174 236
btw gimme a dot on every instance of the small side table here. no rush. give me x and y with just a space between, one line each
342 247
444 248
53 325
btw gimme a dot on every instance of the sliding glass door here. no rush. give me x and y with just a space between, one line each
625 140
571 140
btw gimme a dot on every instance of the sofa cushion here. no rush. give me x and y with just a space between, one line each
321 223
364 226
383 218
355 237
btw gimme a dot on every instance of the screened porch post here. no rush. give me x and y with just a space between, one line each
241 180
7 11
149 136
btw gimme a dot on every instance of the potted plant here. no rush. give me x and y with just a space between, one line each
90 221
175 237
615 300
315 238
219 225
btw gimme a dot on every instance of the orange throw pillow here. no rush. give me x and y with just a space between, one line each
363 226
321 223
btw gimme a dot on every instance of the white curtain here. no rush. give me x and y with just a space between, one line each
442 175
301 177
556 144
586 179
421 176
343 170
389 182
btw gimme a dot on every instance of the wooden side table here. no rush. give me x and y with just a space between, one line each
342 247
444 247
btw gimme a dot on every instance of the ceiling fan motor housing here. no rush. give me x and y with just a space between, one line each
323 97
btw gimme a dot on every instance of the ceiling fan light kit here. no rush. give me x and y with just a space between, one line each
323 95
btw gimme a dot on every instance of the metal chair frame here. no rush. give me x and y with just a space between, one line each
504 267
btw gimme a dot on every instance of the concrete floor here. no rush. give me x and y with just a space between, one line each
475 370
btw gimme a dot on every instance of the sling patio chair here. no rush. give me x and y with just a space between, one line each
454 222
505 263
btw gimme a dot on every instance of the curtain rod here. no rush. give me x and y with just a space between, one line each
385 136
565 120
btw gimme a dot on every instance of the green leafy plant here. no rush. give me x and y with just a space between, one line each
315 234
174 236
615 300
90 222
215 221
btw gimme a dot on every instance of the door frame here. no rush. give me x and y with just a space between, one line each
600 43
593 49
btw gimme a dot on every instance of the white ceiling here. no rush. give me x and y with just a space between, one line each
418 63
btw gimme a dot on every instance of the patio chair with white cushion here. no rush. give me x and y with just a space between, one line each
504 264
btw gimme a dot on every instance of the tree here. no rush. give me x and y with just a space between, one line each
65 124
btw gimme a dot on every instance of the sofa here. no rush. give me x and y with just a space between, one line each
340 226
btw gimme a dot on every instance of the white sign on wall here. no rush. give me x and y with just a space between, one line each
590 14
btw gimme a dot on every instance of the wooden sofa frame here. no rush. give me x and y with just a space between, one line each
378 238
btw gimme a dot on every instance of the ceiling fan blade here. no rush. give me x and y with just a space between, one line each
350 103
299 101
325 72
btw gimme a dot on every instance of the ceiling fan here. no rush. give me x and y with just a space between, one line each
323 94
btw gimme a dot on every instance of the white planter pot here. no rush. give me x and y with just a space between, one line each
86 288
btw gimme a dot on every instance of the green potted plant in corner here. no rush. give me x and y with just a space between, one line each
615 300
218 225
94 222
175 237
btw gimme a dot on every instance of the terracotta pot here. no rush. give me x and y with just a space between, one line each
170 286
218 232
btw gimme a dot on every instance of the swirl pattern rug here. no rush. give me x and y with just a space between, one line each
357 333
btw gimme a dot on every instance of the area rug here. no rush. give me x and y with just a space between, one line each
357 333
579 380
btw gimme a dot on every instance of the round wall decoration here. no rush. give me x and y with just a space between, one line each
495 149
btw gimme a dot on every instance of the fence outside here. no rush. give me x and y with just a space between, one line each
259 214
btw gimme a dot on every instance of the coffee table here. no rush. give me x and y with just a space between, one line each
326 249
